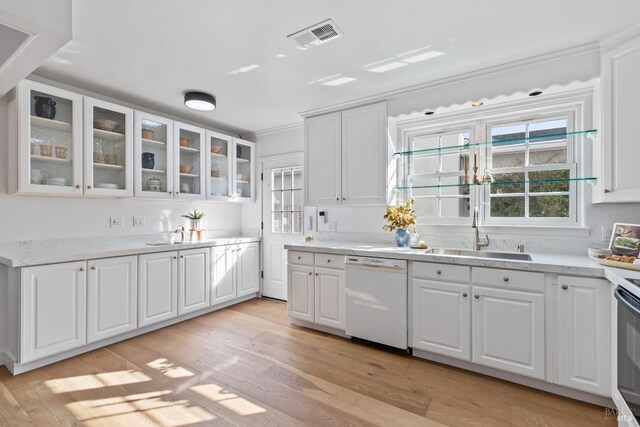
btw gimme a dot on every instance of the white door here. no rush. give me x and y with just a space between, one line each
223 284
508 330
193 280
584 334
329 297
322 153
112 297
157 287
248 269
282 220
301 294
442 318
53 309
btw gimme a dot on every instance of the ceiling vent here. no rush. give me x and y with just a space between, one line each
316 34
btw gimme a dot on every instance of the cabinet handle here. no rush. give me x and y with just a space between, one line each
181 256
464 295
175 257
89 187
476 296
344 198
606 190
505 278
328 261
439 272
78 186
316 274
93 267
169 192
337 199
310 273
299 257
81 268
565 287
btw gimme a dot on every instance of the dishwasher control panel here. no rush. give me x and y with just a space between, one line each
377 262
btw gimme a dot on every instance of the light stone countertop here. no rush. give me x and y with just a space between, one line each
25 253
548 263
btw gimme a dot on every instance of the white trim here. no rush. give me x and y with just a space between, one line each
277 129
455 229
620 37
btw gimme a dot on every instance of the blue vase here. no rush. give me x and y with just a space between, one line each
402 237
148 160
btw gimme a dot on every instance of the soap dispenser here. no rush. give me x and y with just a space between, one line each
415 238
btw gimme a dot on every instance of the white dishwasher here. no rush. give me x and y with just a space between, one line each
376 300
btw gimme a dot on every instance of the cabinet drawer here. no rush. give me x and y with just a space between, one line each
300 258
509 279
330 261
442 272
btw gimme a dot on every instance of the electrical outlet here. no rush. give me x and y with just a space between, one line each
116 221
333 226
139 221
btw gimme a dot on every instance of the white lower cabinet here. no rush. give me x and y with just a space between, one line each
112 295
157 287
508 330
442 318
300 283
52 309
235 272
584 334
193 280
329 297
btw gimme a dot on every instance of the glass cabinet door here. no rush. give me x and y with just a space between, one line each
50 140
108 149
243 178
220 167
153 156
190 162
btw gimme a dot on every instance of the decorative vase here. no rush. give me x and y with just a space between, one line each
148 160
45 107
402 237
195 224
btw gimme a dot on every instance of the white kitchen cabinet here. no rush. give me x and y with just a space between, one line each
243 177
112 295
189 162
153 157
157 287
616 151
45 140
346 157
52 310
300 292
236 272
329 289
508 330
219 166
584 334
442 318
193 280
108 149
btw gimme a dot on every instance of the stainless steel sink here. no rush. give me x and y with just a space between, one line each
468 253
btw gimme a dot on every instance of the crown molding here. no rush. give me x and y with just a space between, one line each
533 62
620 37
277 129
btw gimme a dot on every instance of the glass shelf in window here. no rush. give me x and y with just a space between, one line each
497 142
498 183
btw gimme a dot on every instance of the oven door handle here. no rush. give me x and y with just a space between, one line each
624 299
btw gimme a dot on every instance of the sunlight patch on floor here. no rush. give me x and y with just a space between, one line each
88 382
237 404
169 369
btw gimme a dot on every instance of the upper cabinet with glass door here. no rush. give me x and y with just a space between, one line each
153 154
243 187
219 148
108 149
47 146
189 165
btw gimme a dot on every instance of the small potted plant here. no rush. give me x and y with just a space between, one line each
399 218
194 218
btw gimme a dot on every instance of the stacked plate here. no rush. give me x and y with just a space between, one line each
55 181
107 185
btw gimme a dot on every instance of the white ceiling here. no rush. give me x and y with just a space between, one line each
151 51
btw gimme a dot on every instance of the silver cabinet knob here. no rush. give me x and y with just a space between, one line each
564 287
505 278
476 296
310 273
78 186
606 190
464 294
89 187
344 198
93 267
81 268
439 272
316 274
337 199
175 257
299 257
181 256
328 261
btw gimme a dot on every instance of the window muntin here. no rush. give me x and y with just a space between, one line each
286 200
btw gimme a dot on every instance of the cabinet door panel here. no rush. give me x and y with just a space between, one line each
364 155
223 284
508 331
322 160
189 163
157 287
153 156
584 334
112 297
53 310
300 292
248 268
193 282
442 318
329 297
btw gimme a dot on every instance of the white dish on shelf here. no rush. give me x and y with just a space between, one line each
107 185
55 181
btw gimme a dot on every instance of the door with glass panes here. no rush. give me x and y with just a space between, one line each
282 203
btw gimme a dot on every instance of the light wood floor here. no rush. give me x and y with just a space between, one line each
246 365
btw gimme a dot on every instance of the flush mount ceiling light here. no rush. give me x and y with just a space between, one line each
535 92
199 101
477 104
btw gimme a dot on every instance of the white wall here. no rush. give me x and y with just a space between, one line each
365 223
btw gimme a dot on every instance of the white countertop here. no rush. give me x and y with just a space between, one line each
35 252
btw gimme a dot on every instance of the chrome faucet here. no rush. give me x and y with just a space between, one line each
478 244
181 231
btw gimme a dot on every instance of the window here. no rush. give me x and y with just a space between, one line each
286 200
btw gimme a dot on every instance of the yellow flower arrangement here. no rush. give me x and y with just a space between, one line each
401 216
